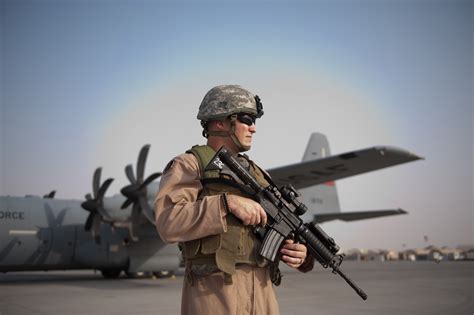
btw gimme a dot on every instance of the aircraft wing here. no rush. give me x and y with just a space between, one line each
319 171
353 216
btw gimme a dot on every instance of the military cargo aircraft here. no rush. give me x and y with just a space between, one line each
118 233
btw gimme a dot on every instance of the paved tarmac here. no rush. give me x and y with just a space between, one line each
393 288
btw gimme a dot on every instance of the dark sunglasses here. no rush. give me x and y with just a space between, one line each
247 119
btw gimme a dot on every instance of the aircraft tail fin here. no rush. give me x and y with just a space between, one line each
320 198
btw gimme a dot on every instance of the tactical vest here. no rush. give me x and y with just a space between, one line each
238 245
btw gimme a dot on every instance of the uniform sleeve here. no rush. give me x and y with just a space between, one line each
180 215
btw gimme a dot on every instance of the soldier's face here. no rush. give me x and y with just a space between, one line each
244 132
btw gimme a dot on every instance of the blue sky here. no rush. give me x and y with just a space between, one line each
87 83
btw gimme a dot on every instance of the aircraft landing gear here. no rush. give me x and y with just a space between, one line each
111 273
139 274
164 274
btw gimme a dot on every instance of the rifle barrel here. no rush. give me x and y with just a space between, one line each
358 290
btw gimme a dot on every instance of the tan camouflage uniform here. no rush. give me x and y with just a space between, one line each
183 214
181 217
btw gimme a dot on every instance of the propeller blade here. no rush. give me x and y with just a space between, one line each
96 228
150 178
129 173
147 210
104 188
136 192
126 203
89 205
96 181
49 215
59 220
141 162
135 221
135 212
88 224
53 221
94 204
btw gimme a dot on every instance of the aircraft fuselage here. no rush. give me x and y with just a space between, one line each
48 234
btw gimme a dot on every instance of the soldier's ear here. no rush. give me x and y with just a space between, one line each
221 124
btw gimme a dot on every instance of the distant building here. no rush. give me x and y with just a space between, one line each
419 254
469 254
430 253
435 253
353 254
467 251
371 254
409 255
392 255
451 253
374 255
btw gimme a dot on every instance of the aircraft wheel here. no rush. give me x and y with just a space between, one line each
163 273
111 273
139 274
132 275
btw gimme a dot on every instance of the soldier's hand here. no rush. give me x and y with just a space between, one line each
293 254
247 210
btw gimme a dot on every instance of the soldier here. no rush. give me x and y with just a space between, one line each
213 219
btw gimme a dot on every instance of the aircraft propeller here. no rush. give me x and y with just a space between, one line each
136 192
96 205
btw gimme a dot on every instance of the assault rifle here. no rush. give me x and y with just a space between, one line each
283 211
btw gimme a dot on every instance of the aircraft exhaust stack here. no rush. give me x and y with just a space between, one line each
136 192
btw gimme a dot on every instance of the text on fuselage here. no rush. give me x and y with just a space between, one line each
12 215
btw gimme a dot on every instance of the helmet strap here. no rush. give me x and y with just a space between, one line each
218 133
242 148
230 133
206 133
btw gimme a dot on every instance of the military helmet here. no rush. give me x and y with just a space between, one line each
224 100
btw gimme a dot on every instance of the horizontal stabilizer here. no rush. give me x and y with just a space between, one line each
353 216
